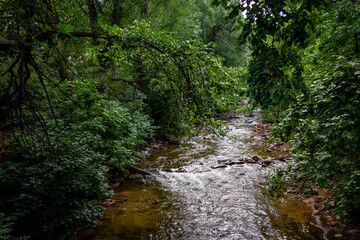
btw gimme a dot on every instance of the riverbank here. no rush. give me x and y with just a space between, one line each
222 175
319 200
208 188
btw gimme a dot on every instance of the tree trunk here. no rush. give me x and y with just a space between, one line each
144 9
105 62
117 13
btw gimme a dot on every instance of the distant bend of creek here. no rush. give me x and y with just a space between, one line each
190 199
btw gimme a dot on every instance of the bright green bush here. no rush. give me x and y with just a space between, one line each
108 127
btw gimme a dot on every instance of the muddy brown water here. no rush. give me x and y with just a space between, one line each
200 202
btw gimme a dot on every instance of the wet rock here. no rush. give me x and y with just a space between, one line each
322 208
219 166
180 170
148 182
135 176
250 161
353 231
284 157
266 162
256 158
338 235
222 161
234 163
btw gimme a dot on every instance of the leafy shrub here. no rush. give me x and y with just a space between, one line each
5 226
107 127
325 133
53 190
347 195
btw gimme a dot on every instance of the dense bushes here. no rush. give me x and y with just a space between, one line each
68 134
326 136
54 187
51 192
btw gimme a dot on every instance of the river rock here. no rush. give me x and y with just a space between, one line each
180 170
234 163
272 146
322 208
135 176
284 157
248 160
219 166
266 162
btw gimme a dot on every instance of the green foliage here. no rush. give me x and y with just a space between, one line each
272 82
219 28
81 99
106 126
189 82
317 43
178 17
277 32
5 226
277 182
55 188
347 196
327 138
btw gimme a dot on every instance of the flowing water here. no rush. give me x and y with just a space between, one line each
190 199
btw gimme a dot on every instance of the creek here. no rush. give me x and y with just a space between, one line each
190 199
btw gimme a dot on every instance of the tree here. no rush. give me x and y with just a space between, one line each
305 60
79 95
219 28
